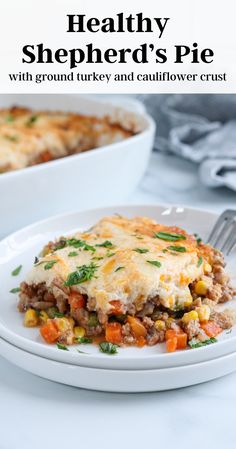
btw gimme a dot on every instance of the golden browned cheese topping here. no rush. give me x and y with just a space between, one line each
31 137
130 260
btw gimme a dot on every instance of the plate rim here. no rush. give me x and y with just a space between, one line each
79 359
122 382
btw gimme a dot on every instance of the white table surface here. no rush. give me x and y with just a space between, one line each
36 414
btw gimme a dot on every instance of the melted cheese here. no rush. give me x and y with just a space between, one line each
123 273
30 137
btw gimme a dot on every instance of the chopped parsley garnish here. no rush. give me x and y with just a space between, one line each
9 119
88 247
12 138
32 120
82 274
108 254
73 254
119 268
84 340
156 263
169 237
76 243
59 315
194 343
49 265
97 258
15 290
106 244
179 249
200 260
141 250
16 271
63 347
108 348
198 239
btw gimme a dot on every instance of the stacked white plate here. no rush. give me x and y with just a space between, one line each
132 369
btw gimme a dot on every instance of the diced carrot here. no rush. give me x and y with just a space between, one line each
137 328
170 333
211 328
140 341
171 344
116 307
180 335
49 331
181 340
113 333
76 300
45 156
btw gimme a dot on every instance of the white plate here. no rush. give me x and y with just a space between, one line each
21 247
119 381
90 179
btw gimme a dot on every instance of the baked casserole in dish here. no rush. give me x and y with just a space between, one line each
29 137
87 149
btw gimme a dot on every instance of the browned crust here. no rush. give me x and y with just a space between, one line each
73 133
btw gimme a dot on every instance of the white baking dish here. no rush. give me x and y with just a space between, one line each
92 179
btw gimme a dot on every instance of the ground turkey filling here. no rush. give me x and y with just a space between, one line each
151 325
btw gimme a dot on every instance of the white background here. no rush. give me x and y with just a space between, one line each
209 23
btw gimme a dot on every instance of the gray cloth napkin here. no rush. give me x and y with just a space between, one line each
201 128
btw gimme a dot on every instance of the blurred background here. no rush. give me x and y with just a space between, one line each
191 159
194 156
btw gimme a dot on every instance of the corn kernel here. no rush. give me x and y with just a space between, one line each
31 318
160 325
207 268
193 315
203 312
43 317
171 302
63 324
188 302
169 321
79 331
201 288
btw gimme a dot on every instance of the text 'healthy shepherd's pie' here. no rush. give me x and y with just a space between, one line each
128 282
30 137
